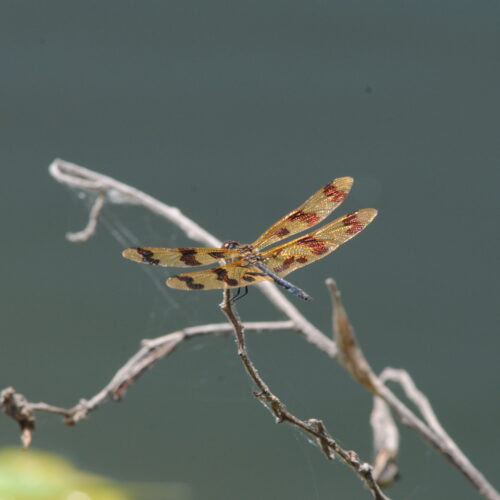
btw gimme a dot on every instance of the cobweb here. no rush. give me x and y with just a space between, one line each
120 222
126 238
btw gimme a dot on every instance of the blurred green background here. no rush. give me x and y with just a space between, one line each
236 112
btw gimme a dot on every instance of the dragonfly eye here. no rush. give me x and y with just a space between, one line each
231 244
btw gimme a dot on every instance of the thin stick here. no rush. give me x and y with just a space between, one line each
112 191
89 230
314 427
22 411
351 355
447 445
117 192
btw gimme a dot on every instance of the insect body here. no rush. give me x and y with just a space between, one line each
249 264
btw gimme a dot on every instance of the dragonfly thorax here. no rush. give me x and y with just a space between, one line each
246 251
234 245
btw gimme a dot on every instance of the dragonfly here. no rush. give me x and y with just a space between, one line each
239 266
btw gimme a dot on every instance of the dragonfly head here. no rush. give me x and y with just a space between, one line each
230 244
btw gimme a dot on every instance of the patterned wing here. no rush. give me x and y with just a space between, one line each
233 275
302 251
314 210
180 257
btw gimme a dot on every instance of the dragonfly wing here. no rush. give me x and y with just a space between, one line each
302 251
311 212
233 275
180 257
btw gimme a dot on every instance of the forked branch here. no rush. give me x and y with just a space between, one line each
386 403
352 357
117 192
313 427
23 411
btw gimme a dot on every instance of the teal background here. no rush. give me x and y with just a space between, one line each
236 112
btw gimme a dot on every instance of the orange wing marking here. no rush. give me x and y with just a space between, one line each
304 250
316 208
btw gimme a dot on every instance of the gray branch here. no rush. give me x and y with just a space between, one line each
386 403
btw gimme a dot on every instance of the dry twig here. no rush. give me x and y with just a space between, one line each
385 443
112 191
89 230
354 360
312 426
22 411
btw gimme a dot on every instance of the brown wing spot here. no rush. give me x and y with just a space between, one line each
310 218
318 247
285 265
354 223
302 260
189 256
333 193
216 255
282 232
190 282
223 276
249 276
147 256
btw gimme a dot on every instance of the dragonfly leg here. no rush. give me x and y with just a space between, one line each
238 295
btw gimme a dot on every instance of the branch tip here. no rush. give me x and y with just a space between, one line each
90 228
385 443
350 354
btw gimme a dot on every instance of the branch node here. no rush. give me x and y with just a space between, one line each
322 439
365 468
17 407
353 458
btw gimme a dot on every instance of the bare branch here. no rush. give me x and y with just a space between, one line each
449 448
350 354
112 191
403 378
89 230
385 443
15 406
22 411
313 426
82 178
78 177
358 366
